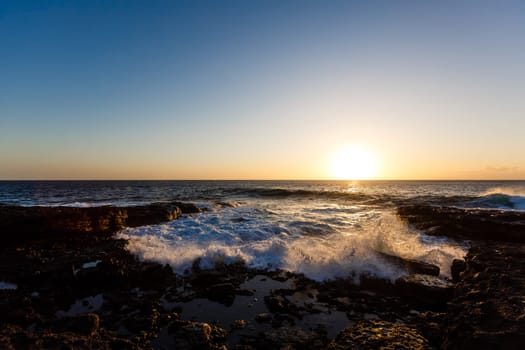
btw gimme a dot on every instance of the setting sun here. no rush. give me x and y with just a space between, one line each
353 163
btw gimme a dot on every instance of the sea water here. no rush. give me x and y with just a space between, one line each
323 229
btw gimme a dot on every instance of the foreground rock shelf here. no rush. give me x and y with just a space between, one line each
488 310
65 282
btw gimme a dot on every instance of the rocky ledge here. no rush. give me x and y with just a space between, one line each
19 224
488 309
75 286
478 224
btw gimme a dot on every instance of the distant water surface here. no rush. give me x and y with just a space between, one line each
324 229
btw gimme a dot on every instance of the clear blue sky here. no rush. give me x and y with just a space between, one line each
261 89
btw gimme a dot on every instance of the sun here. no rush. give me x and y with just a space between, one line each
353 163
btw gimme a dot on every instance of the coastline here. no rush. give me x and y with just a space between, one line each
77 285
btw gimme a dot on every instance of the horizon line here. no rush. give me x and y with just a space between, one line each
304 180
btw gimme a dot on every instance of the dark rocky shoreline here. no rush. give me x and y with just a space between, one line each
78 287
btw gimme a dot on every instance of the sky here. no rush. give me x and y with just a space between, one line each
261 89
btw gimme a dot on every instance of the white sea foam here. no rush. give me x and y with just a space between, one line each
322 245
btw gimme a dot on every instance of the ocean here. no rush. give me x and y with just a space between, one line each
322 229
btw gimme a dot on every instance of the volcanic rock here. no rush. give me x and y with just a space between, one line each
479 224
488 309
426 288
197 335
458 266
412 266
21 223
377 334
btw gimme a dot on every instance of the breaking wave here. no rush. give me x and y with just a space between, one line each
503 198
320 248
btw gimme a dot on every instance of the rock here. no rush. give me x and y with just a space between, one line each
197 335
206 278
151 214
83 324
432 325
411 266
479 224
238 324
376 334
154 276
263 317
279 304
22 223
187 208
488 311
458 266
425 288
290 338
371 282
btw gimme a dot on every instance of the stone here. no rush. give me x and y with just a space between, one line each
377 334
238 324
197 335
425 288
411 266
21 223
290 338
488 311
279 304
263 317
479 224
457 267
87 324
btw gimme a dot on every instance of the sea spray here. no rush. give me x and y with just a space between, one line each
343 243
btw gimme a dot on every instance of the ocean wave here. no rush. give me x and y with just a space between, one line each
280 193
501 201
303 246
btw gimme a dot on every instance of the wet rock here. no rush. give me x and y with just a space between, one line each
496 225
263 317
425 288
122 344
280 320
187 208
151 214
154 276
432 326
83 324
238 324
290 338
14 337
412 266
488 310
279 304
376 334
21 223
196 335
375 283
206 278
458 266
